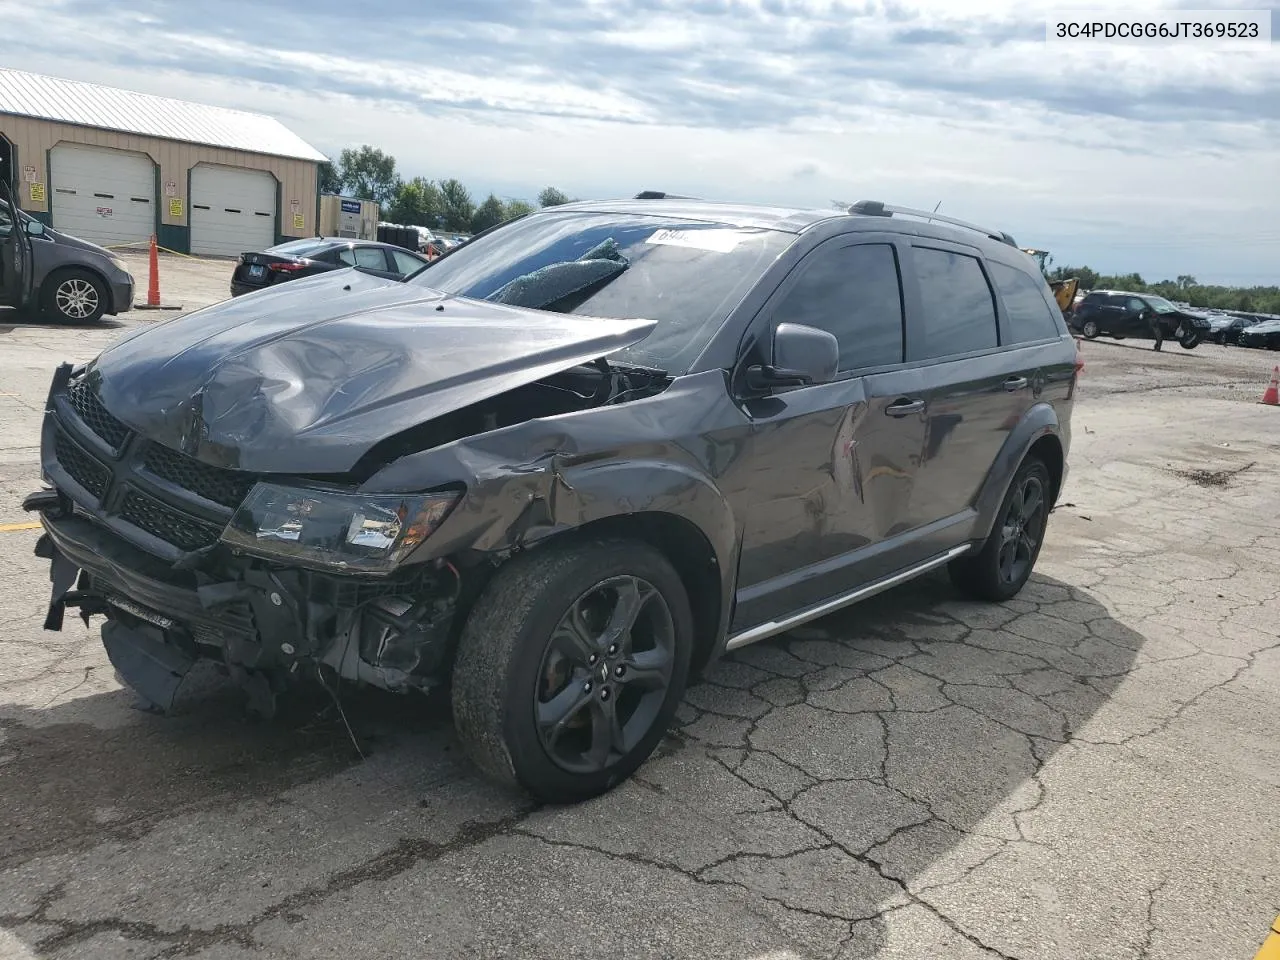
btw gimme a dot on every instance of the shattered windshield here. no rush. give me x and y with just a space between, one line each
686 275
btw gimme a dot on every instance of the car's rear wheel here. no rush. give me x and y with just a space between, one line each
1002 566
571 666
75 296
1090 329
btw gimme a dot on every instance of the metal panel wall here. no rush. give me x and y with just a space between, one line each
34 139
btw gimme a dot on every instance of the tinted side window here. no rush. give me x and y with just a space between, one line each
405 262
1030 316
371 258
959 309
853 292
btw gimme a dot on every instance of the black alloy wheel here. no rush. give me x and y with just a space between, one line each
1000 568
571 665
604 674
1021 530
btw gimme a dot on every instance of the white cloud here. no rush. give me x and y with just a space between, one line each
1161 160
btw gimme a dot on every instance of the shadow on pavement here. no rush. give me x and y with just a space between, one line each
813 782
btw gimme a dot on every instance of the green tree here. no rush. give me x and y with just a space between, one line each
517 208
417 202
489 214
458 207
551 197
329 179
369 173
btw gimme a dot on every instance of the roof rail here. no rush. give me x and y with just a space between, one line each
875 208
659 195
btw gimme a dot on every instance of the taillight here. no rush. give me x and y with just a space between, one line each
289 266
1079 359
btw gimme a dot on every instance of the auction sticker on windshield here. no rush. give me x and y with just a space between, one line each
717 241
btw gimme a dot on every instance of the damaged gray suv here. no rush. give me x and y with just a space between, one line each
562 468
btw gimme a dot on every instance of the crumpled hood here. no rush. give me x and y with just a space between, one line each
307 377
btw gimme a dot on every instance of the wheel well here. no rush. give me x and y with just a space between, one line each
53 276
1048 449
688 550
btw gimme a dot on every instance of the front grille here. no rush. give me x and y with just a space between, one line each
212 483
82 467
83 396
166 523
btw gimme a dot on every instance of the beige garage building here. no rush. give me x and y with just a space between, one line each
114 167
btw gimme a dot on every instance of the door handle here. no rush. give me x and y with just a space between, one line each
1015 383
904 407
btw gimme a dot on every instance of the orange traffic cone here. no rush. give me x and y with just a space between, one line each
153 283
1271 396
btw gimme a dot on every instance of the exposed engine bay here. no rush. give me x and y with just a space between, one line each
266 622
579 388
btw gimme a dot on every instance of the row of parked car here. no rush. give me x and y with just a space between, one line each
1123 314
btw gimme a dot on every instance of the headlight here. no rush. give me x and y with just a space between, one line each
334 530
119 264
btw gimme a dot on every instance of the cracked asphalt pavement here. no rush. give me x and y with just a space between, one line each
1089 771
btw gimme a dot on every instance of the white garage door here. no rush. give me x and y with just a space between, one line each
103 196
233 211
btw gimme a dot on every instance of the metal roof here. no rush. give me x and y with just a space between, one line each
109 108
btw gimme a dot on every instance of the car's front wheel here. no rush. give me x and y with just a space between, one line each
1189 341
1090 329
571 667
75 296
1002 566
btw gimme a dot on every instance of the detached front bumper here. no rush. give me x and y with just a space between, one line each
162 620
132 532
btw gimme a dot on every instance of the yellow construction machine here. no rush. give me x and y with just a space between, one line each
1064 291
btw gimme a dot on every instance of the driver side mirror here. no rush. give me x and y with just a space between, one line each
35 228
802 356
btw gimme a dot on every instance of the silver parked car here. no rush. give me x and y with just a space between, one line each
58 274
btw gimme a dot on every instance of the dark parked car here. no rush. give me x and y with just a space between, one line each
306 258
1226 328
1120 314
63 276
493 475
1265 334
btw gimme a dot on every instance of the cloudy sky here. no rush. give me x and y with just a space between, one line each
1160 159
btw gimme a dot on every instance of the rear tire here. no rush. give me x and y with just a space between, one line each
75 296
1001 567
552 692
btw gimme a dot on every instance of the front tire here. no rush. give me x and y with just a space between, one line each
1090 330
1189 341
1001 568
75 296
571 667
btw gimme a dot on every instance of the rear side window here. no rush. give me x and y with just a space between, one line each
371 258
854 293
1030 316
406 263
959 308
